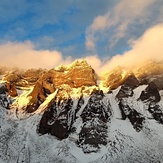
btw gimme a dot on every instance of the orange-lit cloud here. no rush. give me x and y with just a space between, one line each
147 47
23 55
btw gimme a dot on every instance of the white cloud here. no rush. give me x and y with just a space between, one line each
147 47
124 16
23 55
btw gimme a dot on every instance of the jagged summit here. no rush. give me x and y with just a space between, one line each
76 63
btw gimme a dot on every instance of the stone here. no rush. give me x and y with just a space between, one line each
3 88
156 111
11 88
151 93
76 75
129 84
135 118
57 120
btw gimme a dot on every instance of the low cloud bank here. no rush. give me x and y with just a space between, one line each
147 47
24 55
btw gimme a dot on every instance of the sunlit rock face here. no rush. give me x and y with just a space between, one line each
78 74
151 72
11 88
114 78
23 78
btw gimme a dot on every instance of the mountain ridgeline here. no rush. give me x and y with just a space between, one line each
73 103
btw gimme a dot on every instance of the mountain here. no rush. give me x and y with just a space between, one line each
65 115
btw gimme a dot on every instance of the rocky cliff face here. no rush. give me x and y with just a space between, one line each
79 74
151 72
66 117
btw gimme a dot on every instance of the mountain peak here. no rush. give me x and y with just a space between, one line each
67 102
77 63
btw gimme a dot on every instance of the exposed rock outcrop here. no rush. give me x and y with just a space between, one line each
156 111
94 130
129 84
135 118
151 72
114 78
76 75
58 119
151 93
4 99
11 88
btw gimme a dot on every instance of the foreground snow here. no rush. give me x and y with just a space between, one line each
19 141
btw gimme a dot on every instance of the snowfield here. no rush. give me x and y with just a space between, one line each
20 143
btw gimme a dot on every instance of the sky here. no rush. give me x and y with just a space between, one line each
107 33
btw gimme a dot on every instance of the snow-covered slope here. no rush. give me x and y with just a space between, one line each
82 124
20 142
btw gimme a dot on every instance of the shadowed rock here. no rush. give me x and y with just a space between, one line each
156 112
151 93
135 118
76 75
3 88
95 117
4 100
129 84
58 119
131 81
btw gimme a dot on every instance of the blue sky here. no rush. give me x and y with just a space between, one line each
77 28
50 24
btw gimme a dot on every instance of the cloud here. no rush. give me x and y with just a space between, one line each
122 21
147 47
24 55
60 23
94 61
